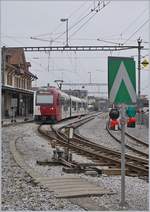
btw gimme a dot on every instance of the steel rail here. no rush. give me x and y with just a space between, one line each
127 145
109 156
137 139
128 156
136 165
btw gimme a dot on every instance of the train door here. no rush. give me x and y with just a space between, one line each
62 103
65 106
58 108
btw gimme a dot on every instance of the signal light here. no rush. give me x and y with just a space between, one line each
114 113
131 122
131 111
113 124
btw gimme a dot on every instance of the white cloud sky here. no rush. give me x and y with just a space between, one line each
114 23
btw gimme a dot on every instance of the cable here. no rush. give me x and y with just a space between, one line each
77 9
89 18
60 24
71 27
137 30
105 41
135 20
82 25
12 38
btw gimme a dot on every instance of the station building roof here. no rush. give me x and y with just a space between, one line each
16 57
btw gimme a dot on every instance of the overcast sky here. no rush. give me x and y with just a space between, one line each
118 21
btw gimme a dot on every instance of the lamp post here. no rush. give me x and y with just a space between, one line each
65 20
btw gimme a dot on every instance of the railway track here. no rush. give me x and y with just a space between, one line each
139 147
137 139
135 165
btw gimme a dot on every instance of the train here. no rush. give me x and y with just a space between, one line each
52 105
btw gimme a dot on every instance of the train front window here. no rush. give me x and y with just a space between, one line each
44 99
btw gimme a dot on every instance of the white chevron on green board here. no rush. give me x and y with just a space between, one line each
121 80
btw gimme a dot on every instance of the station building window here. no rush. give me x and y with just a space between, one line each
9 79
24 83
15 82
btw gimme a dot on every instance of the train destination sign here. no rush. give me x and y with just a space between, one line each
121 80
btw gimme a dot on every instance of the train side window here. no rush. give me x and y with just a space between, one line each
68 102
83 105
62 100
65 105
74 105
79 105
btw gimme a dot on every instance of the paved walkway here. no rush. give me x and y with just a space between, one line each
16 120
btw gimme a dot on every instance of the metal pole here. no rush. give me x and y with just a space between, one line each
3 63
3 67
139 77
139 68
67 32
68 147
122 203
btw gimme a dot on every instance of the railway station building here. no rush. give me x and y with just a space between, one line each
16 90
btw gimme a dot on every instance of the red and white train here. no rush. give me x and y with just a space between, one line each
52 105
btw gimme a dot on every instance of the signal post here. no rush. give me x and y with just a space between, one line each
122 91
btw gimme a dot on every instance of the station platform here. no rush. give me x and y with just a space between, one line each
16 120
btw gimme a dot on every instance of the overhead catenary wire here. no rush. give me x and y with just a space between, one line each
97 8
12 38
60 35
71 27
106 41
136 31
78 9
96 11
82 25
134 21
60 24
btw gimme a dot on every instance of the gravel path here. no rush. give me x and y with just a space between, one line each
20 193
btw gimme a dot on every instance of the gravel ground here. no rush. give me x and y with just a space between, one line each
129 141
140 131
96 131
20 193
